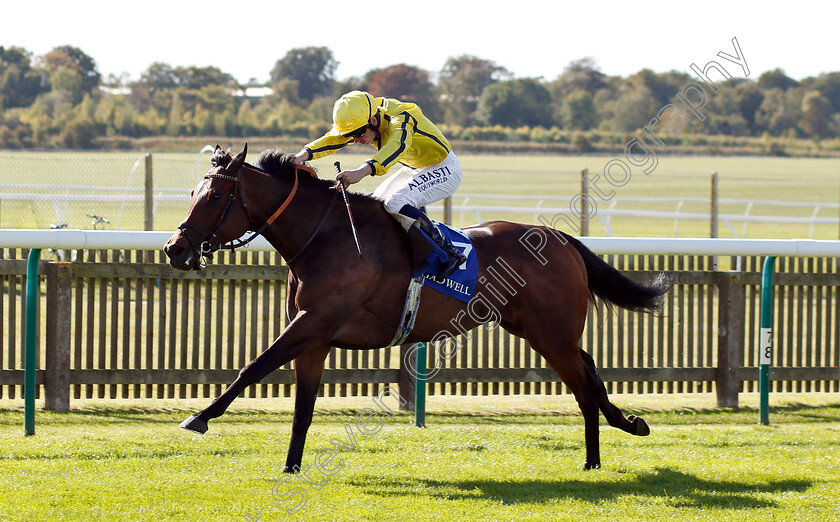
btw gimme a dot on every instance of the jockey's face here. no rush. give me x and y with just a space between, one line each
370 133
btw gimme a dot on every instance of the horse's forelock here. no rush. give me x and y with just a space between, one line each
220 157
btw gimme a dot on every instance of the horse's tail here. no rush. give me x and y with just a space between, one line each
615 288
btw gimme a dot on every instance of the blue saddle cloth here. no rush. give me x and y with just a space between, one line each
461 282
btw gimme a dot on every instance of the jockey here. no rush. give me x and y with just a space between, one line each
430 171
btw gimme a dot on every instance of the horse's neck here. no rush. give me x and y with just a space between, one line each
292 230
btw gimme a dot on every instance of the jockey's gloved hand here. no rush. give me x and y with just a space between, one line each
301 157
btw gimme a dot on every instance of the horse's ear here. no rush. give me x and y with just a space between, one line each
217 149
234 166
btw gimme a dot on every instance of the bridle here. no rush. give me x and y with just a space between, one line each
205 250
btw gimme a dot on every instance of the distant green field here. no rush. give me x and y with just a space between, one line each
801 180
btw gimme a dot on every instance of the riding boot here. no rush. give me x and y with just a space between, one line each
454 256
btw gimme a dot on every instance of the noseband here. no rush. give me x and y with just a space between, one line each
205 249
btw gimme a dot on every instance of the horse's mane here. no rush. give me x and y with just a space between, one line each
275 162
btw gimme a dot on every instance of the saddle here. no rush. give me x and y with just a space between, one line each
427 262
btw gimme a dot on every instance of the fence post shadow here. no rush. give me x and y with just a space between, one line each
406 378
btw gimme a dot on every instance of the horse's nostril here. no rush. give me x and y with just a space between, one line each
172 250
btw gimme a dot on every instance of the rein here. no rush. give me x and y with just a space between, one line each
205 250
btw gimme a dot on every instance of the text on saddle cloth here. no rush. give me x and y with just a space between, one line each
461 282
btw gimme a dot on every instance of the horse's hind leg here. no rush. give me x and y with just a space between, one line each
632 424
565 359
577 371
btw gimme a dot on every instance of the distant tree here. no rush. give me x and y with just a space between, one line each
223 123
193 77
320 111
126 121
776 79
723 113
286 91
106 114
603 101
829 86
354 83
312 67
86 109
203 122
779 111
159 77
582 75
151 123
579 111
462 80
515 103
20 83
632 109
663 87
176 123
215 97
68 82
78 134
749 98
116 80
406 83
75 59
816 115
246 121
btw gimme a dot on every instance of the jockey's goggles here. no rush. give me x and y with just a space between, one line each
358 133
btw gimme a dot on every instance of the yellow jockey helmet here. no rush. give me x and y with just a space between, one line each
352 111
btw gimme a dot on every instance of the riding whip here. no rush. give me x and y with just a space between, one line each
349 212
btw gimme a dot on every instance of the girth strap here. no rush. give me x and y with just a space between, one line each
409 314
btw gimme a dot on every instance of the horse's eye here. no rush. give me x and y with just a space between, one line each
215 196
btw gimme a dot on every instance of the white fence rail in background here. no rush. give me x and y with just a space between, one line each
468 208
537 206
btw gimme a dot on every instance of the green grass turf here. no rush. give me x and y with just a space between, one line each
491 458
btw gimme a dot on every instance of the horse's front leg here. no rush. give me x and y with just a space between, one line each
306 331
308 369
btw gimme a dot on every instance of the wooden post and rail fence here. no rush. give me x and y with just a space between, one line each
114 325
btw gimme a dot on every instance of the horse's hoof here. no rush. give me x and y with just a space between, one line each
642 428
291 469
590 465
194 424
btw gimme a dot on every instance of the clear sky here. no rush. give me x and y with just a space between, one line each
529 38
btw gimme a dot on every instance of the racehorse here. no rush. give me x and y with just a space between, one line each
338 299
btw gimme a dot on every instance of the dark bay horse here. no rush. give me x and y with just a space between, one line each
336 298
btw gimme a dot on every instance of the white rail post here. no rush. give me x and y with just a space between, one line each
149 209
714 215
584 203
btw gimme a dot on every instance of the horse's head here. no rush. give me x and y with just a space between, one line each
217 213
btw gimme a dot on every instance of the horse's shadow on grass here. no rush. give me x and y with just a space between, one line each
679 489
